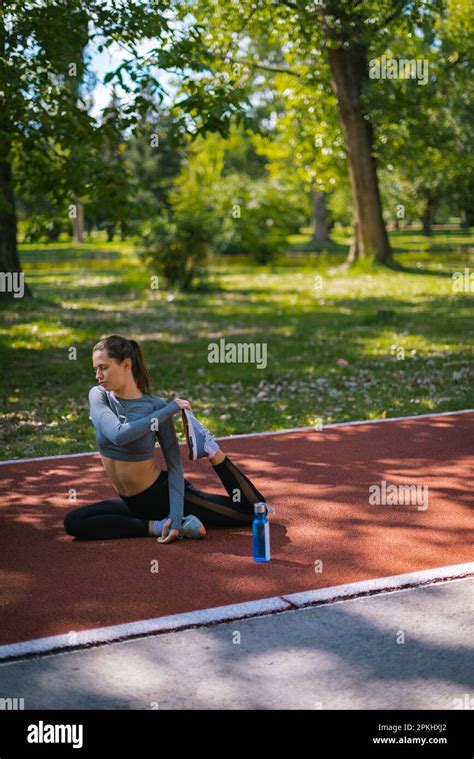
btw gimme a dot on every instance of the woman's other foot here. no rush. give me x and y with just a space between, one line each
192 527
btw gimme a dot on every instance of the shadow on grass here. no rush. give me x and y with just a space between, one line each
328 246
404 269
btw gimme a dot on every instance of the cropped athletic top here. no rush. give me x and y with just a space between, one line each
119 438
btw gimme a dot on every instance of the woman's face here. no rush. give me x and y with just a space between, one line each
108 372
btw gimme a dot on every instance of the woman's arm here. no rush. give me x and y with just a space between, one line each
169 445
118 432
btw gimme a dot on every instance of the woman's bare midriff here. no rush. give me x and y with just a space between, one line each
131 477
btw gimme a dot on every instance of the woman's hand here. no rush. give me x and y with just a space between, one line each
183 403
167 535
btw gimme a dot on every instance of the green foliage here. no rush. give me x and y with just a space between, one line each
41 229
339 205
176 249
422 134
153 162
263 215
211 212
47 133
84 293
178 242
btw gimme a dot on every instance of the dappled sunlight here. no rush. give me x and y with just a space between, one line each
324 532
367 319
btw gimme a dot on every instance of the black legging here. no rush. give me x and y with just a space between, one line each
128 516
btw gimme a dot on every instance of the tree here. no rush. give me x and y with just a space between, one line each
425 129
304 153
45 133
37 55
108 201
327 44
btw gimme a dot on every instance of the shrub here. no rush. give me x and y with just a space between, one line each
263 215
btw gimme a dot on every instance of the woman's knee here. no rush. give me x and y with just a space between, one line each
72 522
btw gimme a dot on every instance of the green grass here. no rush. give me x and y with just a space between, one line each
406 336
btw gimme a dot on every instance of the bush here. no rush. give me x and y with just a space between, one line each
178 242
262 215
42 229
209 212
177 249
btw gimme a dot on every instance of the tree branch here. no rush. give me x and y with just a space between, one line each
391 16
264 66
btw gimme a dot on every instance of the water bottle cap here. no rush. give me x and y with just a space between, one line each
260 507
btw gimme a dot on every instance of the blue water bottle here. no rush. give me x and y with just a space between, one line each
261 533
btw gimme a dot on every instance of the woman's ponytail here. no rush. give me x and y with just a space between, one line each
140 372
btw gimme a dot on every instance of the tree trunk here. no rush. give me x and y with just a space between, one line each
320 220
354 250
426 219
10 268
9 260
348 70
465 219
78 221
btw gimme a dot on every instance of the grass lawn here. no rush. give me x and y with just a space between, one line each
407 338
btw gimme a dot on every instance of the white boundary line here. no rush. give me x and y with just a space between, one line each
259 434
115 633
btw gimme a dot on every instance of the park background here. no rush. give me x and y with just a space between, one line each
262 172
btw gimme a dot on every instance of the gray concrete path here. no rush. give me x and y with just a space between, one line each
411 649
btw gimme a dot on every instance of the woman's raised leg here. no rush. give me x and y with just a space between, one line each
237 508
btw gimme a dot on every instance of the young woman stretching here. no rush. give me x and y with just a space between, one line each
152 502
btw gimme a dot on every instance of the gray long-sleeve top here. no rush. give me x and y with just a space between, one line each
119 438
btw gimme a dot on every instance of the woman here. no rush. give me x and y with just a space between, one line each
152 502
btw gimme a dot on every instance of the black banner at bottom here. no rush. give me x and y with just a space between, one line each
370 733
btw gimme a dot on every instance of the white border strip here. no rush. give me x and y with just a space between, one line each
115 633
260 434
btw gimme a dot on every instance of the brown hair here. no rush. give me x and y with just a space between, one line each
121 348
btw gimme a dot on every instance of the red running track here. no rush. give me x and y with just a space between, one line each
318 482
